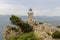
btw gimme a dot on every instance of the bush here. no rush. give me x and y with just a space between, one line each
56 34
26 36
48 33
13 28
18 21
12 38
40 22
58 26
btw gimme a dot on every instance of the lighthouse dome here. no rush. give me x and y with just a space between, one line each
30 11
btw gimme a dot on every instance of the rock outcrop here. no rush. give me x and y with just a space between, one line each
44 31
11 31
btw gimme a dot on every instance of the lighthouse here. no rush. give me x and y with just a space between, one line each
30 16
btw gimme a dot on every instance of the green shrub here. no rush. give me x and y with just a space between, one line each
13 28
40 22
25 27
12 38
26 36
56 34
48 33
58 26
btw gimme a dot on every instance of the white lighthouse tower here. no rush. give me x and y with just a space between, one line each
30 16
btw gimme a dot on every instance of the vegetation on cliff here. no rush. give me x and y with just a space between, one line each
26 30
25 27
58 26
56 34
25 36
23 31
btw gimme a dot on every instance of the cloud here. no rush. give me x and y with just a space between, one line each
9 9
35 12
51 12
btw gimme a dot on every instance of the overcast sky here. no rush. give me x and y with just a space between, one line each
21 7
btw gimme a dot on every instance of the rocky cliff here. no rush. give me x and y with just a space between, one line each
11 31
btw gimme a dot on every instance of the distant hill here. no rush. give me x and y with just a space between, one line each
55 20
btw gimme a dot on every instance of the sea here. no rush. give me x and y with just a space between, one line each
5 20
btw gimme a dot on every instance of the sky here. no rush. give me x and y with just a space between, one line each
21 7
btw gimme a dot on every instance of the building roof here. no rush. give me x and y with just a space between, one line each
30 9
